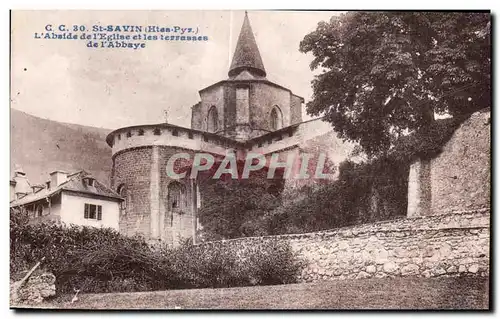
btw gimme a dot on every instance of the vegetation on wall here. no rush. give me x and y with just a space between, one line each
237 207
362 193
426 143
234 207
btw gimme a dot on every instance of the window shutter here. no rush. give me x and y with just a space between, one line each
99 212
86 213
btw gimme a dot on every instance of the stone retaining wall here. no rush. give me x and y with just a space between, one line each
442 245
460 176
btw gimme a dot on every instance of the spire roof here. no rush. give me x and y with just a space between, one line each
246 55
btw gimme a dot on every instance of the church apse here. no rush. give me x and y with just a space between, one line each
244 113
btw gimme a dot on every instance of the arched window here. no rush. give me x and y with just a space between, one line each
122 191
212 120
276 118
176 197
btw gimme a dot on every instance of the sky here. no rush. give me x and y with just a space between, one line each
64 80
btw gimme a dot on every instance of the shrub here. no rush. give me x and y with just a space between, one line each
272 263
102 260
218 265
80 257
203 267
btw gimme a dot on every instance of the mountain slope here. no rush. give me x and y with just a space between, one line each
41 146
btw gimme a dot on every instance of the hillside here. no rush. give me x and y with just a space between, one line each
41 146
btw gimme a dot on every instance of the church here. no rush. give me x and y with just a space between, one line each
244 113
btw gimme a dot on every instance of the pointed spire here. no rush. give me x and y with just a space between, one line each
246 55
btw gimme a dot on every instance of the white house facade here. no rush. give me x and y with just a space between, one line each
76 198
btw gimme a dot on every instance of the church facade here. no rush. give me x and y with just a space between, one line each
244 113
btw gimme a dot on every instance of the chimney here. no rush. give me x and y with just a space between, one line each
21 184
12 190
165 115
57 178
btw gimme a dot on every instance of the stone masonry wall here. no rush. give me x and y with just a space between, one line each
174 226
295 109
263 97
441 245
459 177
133 169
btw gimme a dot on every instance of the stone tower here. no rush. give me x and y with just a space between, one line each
246 104
243 113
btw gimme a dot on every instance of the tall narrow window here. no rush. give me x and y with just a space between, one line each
212 120
276 118
176 197
122 191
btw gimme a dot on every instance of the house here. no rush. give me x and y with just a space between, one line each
76 198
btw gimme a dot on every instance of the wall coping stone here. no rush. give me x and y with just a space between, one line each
373 228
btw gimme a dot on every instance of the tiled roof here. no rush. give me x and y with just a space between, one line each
74 183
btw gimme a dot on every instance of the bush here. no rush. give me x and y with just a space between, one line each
218 265
101 260
204 267
272 263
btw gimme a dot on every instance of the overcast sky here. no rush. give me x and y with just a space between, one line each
63 80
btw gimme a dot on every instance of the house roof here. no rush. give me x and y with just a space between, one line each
74 184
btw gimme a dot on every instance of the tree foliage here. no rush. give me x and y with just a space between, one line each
385 74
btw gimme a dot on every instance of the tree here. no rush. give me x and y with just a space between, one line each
385 74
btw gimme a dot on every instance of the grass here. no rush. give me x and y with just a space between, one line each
395 293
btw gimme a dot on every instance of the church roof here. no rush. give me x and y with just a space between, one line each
246 55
